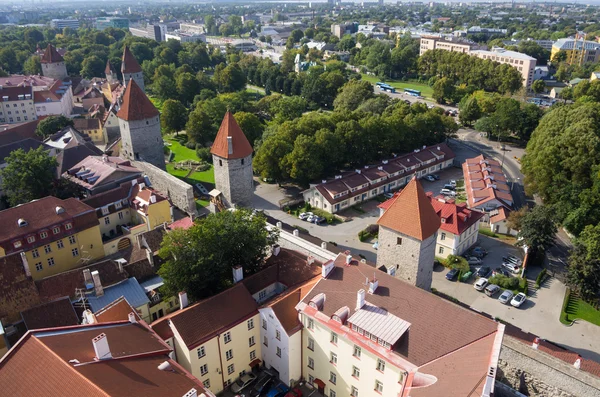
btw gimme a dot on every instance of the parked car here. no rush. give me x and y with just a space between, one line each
512 259
491 290
388 195
480 284
518 300
474 261
505 297
453 182
278 390
429 178
305 215
449 187
310 219
483 271
295 392
436 177
318 219
511 267
262 384
243 382
478 252
500 271
451 275
447 192
466 276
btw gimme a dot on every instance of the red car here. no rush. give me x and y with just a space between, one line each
294 393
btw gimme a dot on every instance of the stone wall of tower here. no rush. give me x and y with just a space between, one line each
233 178
138 77
413 259
142 140
56 70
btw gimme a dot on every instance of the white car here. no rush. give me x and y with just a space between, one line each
311 219
518 300
480 284
448 192
511 267
505 297
304 216
453 182
474 261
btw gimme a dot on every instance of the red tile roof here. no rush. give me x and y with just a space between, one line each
19 132
42 361
427 313
241 148
411 213
136 105
58 313
285 308
51 55
16 93
501 215
456 218
485 182
17 290
183 223
129 63
116 311
83 125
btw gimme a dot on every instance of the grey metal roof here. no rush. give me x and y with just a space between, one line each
130 289
380 323
152 283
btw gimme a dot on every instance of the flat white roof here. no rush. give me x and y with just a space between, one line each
380 323
506 53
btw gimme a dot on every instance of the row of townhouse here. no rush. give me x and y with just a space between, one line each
355 187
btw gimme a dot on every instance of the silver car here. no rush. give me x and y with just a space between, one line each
480 284
243 382
505 297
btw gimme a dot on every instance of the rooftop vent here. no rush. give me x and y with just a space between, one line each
348 260
101 347
424 147
373 284
439 148
323 181
338 177
59 210
165 366
22 222
357 171
380 168
360 299
327 268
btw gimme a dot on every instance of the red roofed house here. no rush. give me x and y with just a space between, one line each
53 64
485 184
367 333
232 160
139 122
131 69
407 236
119 358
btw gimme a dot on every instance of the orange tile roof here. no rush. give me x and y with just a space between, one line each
411 213
230 129
456 218
51 55
116 311
500 216
136 105
129 63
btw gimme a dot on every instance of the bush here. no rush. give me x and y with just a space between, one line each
487 232
511 283
203 154
540 278
458 262
190 145
523 285
368 232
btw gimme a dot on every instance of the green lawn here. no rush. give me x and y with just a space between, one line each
426 90
576 308
158 103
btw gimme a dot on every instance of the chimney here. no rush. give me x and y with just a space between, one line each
577 363
229 145
360 299
101 347
357 171
380 168
238 274
424 147
25 264
276 249
191 393
165 366
327 268
97 284
183 300
324 245
88 317
131 317
310 260
348 260
323 181
536 343
87 277
373 285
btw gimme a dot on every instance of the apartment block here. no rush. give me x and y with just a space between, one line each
53 235
447 44
352 188
17 104
578 51
522 62
64 23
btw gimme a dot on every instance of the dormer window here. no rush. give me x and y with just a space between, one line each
22 222
43 234
69 226
17 244
104 210
118 205
31 239
56 230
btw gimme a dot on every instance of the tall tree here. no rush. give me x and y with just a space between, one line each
469 110
173 117
52 124
538 228
538 86
199 260
251 125
584 264
352 94
92 66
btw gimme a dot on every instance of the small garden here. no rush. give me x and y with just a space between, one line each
368 233
514 284
575 308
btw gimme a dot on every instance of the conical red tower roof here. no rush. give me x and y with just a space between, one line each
51 55
411 213
231 131
130 64
109 68
136 105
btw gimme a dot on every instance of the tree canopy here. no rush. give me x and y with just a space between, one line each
52 124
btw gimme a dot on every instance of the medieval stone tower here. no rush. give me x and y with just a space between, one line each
232 161
131 69
110 73
139 122
407 235
53 64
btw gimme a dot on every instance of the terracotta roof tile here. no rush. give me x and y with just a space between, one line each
456 218
51 55
58 313
116 311
427 313
183 223
411 213
136 105
241 148
17 291
129 63
18 132
86 124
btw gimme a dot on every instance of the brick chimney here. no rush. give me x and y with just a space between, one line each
99 290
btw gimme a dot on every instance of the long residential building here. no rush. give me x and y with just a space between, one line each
367 333
447 44
578 51
485 184
65 23
524 63
355 187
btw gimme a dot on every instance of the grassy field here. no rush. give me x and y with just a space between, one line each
182 153
426 90
576 308
158 103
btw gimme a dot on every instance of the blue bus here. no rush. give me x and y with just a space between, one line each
380 83
412 92
387 87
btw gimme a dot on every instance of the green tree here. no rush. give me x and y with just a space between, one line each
560 56
288 108
533 49
199 126
199 260
584 264
296 35
173 117
52 124
229 78
92 66
469 110
32 65
267 161
538 86
188 87
538 229
443 89
352 94
251 125
165 88
304 161
28 175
